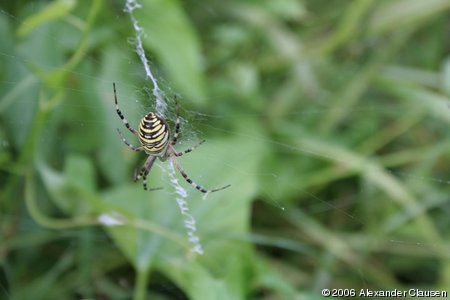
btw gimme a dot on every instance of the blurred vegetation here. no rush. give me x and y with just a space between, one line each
329 119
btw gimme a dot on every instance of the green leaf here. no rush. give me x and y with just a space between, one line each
286 9
221 220
52 11
226 268
151 218
405 13
68 188
80 172
172 38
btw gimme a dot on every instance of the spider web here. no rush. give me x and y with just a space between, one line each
182 194
161 105
317 206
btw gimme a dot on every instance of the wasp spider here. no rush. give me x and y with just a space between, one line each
157 141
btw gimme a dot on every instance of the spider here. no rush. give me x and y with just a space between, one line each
155 139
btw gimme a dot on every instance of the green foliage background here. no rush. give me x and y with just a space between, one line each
329 119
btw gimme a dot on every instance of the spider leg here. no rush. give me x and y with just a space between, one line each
189 180
127 143
145 170
119 112
177 123
178 154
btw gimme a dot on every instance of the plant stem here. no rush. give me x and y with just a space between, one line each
140 288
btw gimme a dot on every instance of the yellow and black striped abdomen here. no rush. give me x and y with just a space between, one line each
154 134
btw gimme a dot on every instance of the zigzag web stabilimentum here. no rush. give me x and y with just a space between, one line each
181 194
